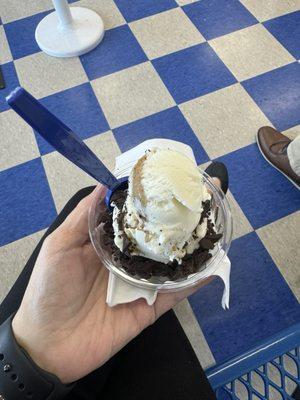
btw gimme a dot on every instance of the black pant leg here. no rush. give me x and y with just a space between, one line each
159 364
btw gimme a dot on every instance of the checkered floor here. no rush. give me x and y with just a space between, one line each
208 73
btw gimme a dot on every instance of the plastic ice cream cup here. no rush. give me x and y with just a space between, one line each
223 224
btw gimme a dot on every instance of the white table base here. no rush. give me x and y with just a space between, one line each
84 32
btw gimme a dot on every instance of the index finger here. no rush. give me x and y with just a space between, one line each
74 230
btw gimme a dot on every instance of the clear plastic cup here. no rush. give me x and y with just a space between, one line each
223 224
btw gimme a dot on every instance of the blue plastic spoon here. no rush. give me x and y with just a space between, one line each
63 139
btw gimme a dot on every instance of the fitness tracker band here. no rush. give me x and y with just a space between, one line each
20 377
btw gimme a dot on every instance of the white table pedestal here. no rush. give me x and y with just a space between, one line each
69 31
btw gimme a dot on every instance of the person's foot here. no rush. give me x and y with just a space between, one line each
273 146
218 171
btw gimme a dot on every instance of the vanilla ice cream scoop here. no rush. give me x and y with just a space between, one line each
162 212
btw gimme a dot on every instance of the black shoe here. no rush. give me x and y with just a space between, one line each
218 170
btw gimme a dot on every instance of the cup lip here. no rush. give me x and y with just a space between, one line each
190 280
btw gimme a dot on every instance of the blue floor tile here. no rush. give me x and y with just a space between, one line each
168 124
261 303
20 35
79 109
263 193
26 201
118 50
136 9
277 93
11 81
215 18
286 29
193 72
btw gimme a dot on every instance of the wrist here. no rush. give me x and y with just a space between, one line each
36 348
20 377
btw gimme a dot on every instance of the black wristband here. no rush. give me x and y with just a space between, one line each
20 377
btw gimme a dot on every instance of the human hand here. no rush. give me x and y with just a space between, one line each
64 322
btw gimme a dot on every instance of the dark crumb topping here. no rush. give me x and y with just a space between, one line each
146 268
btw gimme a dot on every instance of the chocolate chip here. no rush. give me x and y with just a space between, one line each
215 237
142 217
107 228
206 244
119 198
206 209
187 257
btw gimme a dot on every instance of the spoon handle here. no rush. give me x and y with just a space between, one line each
62 138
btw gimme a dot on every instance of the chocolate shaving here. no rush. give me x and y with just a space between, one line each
205 211
119 198
206 244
